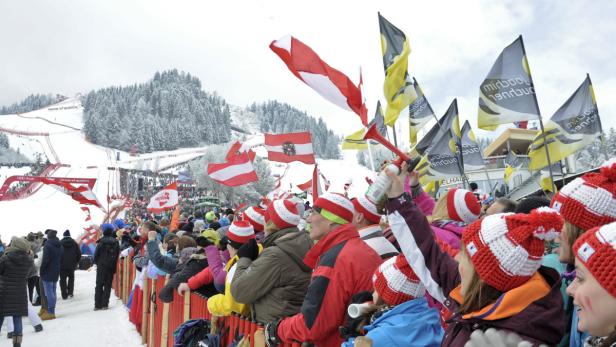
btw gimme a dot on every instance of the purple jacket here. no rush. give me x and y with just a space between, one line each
449 232
216 262
540 321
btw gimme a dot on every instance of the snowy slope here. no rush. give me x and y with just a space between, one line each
57 137
78 325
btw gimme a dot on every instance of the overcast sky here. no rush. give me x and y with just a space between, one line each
67 47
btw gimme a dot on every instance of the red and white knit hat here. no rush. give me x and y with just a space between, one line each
240 231
462 205
395 281
596 249
367 208
589 201
256 216
283 213
338 208
506 249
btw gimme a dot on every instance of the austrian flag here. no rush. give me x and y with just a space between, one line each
330 83
286 148
235 172
164 200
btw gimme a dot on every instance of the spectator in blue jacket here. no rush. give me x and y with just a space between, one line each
50 272
400 315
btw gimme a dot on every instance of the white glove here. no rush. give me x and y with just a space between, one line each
496 338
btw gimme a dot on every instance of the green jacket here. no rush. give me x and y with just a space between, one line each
275 284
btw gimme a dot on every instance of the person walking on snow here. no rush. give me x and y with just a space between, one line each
70 260
15 264
50 272
105 257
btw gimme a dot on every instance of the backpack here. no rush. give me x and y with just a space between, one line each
189 333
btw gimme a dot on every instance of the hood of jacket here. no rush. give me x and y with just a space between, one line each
68 242
295 244
53 242
186 253
107 240
18 244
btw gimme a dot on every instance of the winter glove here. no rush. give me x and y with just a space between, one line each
271 334
496 338
249 250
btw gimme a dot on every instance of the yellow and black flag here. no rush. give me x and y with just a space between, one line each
420 112
449 124
473 160
507 94
574 126
398 87
356 139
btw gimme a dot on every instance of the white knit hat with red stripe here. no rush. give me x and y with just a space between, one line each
462 205
335 207
240 231
256 216
589 201
506 249
367 208
283 213
596 249
395 281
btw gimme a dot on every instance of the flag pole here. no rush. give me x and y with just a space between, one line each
545 141
370 155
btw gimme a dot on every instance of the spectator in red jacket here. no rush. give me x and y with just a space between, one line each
343 266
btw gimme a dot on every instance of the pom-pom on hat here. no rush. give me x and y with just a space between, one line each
335 207
506 249
256 216
462 205
596 249
395 281
240 231
367 208
589 201
283 213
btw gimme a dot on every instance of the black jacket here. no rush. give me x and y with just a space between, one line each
14 268
52 260
193 266
71 255
106 253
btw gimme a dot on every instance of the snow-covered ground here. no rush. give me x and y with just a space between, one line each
78 325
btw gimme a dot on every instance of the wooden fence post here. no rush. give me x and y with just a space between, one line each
152 313
145 310
165 324
186 306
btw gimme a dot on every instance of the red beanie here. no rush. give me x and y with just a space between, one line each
462 205
367 208
283 213
596 249
589 201
336 204
395 281
256 216
506 249
240 231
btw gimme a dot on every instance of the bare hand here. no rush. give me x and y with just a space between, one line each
183 287
152 235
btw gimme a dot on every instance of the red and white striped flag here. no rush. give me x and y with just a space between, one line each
83 194
238 148
332 84
235 172
164 200
316 183
305 186
286 148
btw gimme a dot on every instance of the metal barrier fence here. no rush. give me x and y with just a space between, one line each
159 320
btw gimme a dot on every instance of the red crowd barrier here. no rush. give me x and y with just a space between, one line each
162 319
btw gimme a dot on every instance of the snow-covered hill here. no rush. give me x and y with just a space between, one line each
55 133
